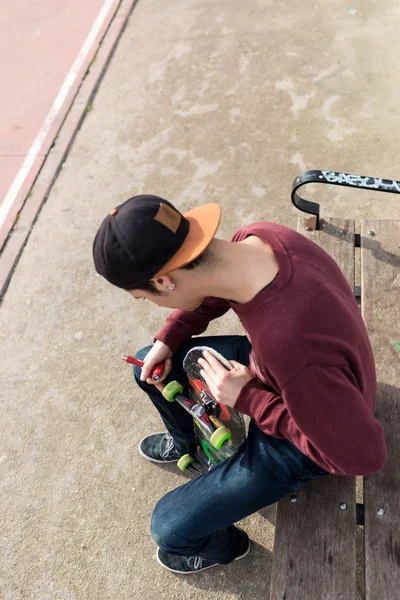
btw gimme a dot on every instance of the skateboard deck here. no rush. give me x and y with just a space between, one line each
219 429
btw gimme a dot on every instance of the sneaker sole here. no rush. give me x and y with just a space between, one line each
205 568
160 462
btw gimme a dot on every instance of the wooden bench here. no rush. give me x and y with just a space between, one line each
315 554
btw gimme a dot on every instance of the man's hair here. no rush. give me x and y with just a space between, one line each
202 259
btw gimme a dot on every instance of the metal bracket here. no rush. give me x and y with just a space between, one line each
343 179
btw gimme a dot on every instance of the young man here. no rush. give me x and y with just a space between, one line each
304 372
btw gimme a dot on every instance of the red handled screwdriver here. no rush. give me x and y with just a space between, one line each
158 369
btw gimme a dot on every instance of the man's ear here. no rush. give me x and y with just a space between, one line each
163 282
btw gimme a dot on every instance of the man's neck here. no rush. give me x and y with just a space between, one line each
242 269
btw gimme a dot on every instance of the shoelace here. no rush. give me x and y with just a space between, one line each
195 562
169 446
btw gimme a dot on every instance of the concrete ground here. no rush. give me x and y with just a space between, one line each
203 100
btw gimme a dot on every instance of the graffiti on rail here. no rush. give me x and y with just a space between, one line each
372 183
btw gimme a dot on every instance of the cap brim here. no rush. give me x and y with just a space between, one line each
203 224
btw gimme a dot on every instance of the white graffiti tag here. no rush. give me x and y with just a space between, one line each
373 183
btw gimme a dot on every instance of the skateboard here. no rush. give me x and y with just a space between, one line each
219 429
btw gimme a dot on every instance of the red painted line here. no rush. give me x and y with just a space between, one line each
43 77
56 156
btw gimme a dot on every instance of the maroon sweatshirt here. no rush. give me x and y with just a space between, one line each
315 381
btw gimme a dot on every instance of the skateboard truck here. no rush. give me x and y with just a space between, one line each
172 392
210 406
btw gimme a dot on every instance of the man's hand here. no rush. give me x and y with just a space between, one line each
225 386
157 354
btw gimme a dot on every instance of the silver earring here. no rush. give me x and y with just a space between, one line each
171 287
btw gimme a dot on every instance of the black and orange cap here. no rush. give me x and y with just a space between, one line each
147 236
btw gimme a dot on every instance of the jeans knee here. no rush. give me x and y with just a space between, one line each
138 370
162 528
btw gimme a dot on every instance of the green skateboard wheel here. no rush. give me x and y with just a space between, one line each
171 390
219 437
185 461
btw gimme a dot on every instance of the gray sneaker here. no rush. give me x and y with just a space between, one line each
185 565
159 448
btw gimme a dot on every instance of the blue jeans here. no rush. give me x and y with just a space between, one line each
196 519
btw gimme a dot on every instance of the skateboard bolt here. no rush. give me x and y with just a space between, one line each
371 232
343 505
380 512
293 498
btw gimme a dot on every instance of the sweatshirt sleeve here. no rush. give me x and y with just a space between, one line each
181 325
264 406
330 419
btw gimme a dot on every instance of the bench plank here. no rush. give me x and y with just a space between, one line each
380 273
315 540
